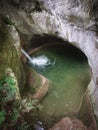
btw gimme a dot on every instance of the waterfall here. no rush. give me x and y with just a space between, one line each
26 54
39 61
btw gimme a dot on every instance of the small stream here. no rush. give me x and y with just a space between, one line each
67 69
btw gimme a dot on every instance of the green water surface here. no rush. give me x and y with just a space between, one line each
69 76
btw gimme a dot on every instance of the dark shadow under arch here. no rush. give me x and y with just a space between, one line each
71 50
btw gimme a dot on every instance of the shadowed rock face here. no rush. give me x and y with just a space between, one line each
73 20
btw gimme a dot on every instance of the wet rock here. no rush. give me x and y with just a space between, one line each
30 80
38 126
69 124
64 124
37 85
78 125
24 59
43 89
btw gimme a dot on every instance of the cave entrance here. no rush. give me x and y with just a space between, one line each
67 69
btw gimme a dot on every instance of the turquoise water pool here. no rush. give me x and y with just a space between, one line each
67 69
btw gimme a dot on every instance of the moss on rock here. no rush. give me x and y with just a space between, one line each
9 55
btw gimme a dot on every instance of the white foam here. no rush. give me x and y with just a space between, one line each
97 40
40 61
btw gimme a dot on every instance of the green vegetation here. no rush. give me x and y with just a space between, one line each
2 116
38 6
12 108
8 106
10 114
7 20
7 89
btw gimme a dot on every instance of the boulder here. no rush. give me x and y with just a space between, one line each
69 124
